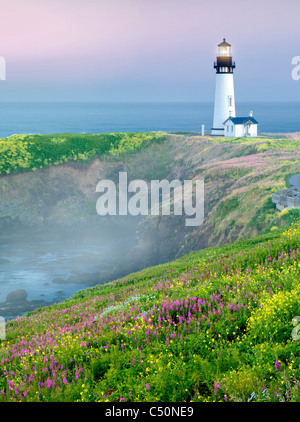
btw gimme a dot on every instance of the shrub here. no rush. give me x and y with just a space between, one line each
272 321
29 152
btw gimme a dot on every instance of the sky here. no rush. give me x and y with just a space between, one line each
146 50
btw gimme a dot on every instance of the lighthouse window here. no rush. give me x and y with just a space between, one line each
230 100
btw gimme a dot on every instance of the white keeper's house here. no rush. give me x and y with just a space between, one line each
240 126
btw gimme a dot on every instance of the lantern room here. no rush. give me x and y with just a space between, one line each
224 63
224 49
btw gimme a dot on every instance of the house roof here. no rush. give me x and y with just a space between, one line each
242 120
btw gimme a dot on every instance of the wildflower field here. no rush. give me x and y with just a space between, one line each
214 325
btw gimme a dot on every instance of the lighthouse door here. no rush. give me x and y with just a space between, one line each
247 130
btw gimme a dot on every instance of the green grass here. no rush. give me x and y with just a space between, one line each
30 152
262 143
214 325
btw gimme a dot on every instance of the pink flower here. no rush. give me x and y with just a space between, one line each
147 387
216 387
49 383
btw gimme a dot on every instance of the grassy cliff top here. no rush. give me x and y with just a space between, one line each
31 152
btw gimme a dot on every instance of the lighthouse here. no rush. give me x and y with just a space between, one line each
224 94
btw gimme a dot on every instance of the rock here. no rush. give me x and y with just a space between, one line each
17 296
58 280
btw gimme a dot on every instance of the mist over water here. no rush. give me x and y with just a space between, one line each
45 269
40 267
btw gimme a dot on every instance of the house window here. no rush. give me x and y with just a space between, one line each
231 128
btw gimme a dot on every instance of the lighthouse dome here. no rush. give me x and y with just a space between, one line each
224 43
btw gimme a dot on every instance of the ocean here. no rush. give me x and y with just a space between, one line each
94 117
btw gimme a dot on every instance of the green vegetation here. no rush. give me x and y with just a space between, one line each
240 175
215 325
262 143
30 152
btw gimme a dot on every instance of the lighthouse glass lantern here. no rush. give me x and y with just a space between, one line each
224 61
224 93
224 49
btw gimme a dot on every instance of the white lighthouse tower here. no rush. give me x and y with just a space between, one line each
224 94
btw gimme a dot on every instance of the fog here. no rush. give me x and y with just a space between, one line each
45 267
53 242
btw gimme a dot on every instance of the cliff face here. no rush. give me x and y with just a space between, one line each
48 198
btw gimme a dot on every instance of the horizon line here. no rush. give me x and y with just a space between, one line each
142 101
